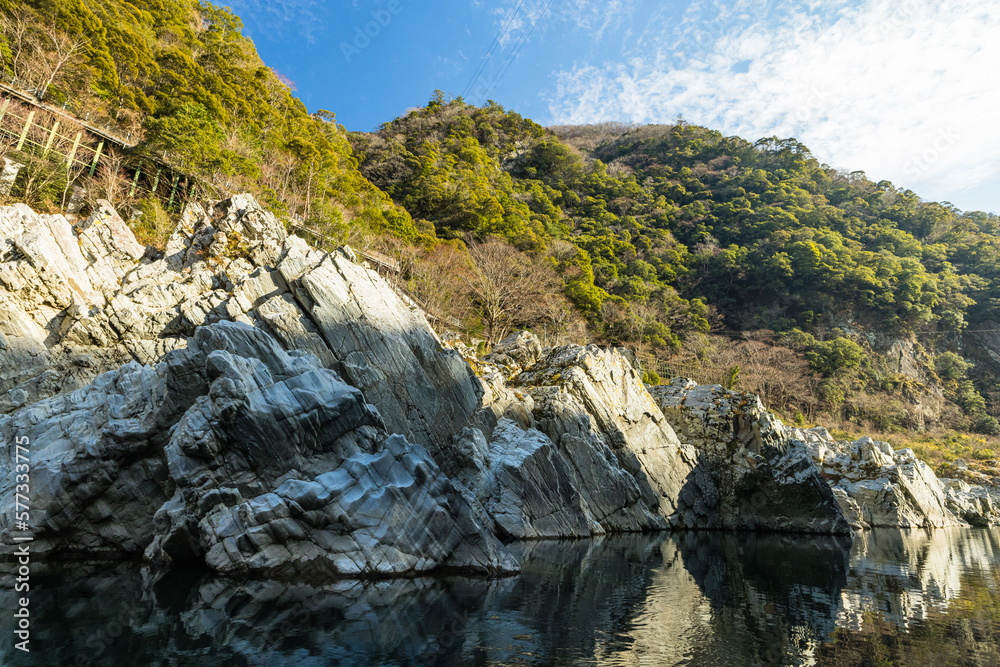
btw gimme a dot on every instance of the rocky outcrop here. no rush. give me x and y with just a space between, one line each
975 504
750 475
625 459
249 402
878 486
252 459
243 391
78 302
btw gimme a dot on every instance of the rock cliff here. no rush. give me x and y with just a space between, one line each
246 401
750 474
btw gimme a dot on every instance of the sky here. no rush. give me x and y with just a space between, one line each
904 90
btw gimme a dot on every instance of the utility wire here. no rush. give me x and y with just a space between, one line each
514 53
489 52
745 335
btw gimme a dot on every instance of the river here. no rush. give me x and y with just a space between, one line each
885 597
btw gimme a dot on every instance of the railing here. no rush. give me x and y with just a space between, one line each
83 151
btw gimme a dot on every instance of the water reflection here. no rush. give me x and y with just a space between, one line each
694 598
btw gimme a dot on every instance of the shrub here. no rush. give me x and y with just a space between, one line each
950 366
986 424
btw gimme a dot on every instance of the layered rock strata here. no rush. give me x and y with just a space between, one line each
251 459
750 474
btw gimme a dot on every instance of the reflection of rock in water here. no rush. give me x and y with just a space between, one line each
772 597
550 612
903 574
695 598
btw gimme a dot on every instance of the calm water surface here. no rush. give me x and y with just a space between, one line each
885 597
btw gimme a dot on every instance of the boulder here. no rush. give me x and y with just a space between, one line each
516 352
750 475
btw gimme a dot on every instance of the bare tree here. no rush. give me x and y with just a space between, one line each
110 182
510 288
63 49
439 280
16 27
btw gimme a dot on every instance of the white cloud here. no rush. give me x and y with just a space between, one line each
905 90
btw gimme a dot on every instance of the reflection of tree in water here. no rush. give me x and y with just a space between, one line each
964 632
921 597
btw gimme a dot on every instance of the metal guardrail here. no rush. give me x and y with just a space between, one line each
105 134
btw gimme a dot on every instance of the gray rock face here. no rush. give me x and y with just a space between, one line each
624 458
526 486
974 504
78 302
881 487
250 458
749 475
54 282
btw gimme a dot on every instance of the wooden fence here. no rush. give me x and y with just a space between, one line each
31 128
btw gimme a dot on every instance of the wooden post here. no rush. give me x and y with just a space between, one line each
97 156
24 132
3 109
173 189
52 135
135 181
72 153
156 179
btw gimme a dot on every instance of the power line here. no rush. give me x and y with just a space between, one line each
514 53
489 52
746 335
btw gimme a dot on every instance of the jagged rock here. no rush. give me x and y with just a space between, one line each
383 347
889 488
624 458
77 303
516 352
253 459
526 487
974 504
812 436
749 475
391 512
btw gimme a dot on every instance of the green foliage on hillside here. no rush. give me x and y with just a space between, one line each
478 172
180 75
658 230
654 234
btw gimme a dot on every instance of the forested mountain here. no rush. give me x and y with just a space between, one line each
659 231
179 76
746 263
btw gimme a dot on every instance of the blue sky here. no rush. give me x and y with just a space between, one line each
905 90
